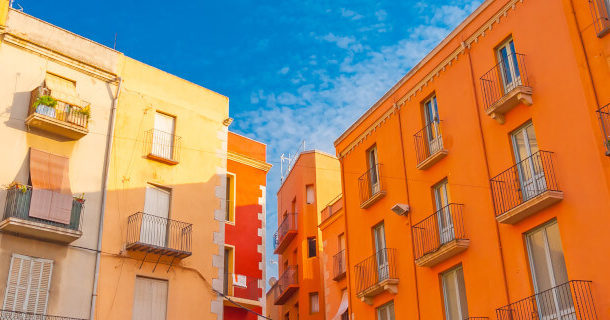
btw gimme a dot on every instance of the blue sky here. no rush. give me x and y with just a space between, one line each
293 70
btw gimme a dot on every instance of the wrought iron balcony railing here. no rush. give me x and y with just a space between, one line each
285 285
150 233
570 301
524 181
441 227
371 185
599 13
63 111
162 146
288 225
428 141
17 315
241 286
17 205
374 270
604 120
339 264
508 74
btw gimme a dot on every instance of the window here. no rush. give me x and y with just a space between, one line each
27 286
314 303
509 65
454 294
381 254
443 212
548 270
341 242
228 271
373 170
311 247
230 207
310 194
529 165
163 136
433 133
154 222
386 311
150 299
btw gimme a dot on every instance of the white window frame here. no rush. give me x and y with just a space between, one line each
28 293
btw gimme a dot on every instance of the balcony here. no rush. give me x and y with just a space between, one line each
377 274
68 119
242 289
285 233
157 235
286 285
604 119
429 147
16 315
601 20
332 208
477 318
440 236
525 188
570 301
339 265
162 146
506 86
371 186
17 220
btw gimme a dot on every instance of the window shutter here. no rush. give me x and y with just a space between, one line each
27 288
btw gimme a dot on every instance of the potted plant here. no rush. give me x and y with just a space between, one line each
16 185
45 105
86 112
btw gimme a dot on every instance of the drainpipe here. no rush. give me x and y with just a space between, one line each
480 125
104 196
404 171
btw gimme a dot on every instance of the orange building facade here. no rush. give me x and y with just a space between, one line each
477 187
313 181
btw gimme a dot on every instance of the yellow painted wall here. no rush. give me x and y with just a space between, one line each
3 11
197 187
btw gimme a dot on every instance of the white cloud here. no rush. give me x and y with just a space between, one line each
284 70
346 13
381 14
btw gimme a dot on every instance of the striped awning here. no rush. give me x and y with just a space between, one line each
63 89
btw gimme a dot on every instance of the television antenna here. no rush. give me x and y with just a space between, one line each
287 161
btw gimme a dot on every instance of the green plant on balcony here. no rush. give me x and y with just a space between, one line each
80 198
86 111
16 185
46 101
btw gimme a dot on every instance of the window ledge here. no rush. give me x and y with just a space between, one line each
518 95
161 159
374 198
530 207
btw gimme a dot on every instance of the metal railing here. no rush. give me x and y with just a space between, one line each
63 111
339 264
17 315
370 183
428 141
18 201
162 144
332 207
375 269
569 301
476 318
241 286
288 278
157 232
525 180
288 224
599 13
441 227
604 120
505 76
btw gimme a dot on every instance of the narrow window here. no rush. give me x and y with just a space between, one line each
454 293
27 286
311 247
230 205
373 171
150 299
314 303
432 130
509 65
228 271
154 222
163 136
381 254
443 212
310 193
386 311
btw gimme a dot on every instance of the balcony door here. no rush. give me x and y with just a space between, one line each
529 165
373 170
454 294
509 66
548 271
381 254
163 136
155 223
443 213
433 134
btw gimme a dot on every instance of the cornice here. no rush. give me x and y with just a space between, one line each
258 164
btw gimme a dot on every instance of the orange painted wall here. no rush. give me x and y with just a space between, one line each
322 171
479 148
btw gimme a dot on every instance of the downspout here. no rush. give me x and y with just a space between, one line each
347 272
496 224
404 170
104 196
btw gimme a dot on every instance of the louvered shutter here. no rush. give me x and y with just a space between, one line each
27 288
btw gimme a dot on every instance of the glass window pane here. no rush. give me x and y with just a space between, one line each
462 291
450 293
539 260
531 136
557 259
